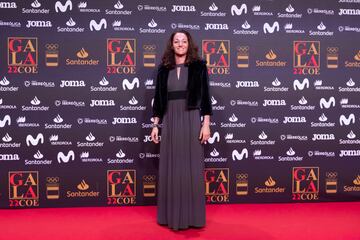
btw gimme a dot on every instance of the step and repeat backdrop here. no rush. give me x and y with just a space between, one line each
78 77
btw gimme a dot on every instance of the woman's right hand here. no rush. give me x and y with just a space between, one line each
155 135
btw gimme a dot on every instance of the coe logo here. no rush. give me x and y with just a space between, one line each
22 55
121 56
121 187
24 189
306 57
217 185
217 55
305 183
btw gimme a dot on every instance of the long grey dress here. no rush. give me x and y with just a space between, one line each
181 187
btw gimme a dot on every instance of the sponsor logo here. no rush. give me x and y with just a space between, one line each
257 11
85 157
215 157
62 158
354 64
82 56
247 84
120 158
242 184
121 56
9 157
290 156
8 5
236 156
321 154
149 185
217 185
72 83
350 139
5 121
345 121
83 8
321 31
124 120
232 122
38 24
267 28
265 120
271 61
217 55
323 136
242 57
306 57
98 26
270 187
118 10
274 102
290 13
322 122
355 187
183 8
305 183
320 11
22 55
216 26
297 85
276 87
213 12
235 10
288 27
70 27
185 26
121 187
293 137
229 138
257 154
349 12
349 153
350 87
102 103
60 7
83 190
152 28
331 182
23 189
38 156
318 84
299 119
151 8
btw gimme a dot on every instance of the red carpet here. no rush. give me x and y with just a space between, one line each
331 221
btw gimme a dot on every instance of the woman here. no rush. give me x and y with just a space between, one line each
181 97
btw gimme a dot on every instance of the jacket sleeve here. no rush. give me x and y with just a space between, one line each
157 101
205 106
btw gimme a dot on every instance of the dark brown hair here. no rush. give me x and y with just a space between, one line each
168 59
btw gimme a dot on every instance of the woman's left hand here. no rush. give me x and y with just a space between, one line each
204 133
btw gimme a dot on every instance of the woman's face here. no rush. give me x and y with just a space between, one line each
180 44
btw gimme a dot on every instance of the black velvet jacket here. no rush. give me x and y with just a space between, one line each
197 97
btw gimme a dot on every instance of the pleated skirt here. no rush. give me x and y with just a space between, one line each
181 186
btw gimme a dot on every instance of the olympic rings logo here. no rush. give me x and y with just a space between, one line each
243 49
149 47
149 178
332 49
52 46
52 179
242 176
331 174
